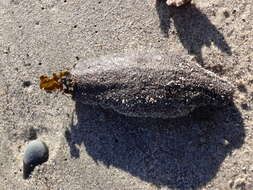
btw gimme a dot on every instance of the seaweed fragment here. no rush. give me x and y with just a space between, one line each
59 82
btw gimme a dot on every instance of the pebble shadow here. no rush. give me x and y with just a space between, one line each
183 153
193 27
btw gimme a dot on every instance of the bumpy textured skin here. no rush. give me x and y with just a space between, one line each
148 84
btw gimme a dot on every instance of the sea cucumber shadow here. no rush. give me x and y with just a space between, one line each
183 153
193 27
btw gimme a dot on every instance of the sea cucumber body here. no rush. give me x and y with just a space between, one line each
148 84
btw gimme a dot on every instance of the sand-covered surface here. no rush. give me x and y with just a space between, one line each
95 149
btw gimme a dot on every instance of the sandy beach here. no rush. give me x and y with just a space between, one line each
91 148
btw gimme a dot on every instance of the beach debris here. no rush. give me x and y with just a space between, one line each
35 154
177 3
148 84
56 83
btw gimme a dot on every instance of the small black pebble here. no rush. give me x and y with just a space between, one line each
26 84
27 64
35 154
226 14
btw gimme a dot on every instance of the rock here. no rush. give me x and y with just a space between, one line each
36 153
148 84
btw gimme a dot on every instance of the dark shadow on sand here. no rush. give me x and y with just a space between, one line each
183 153
193 28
